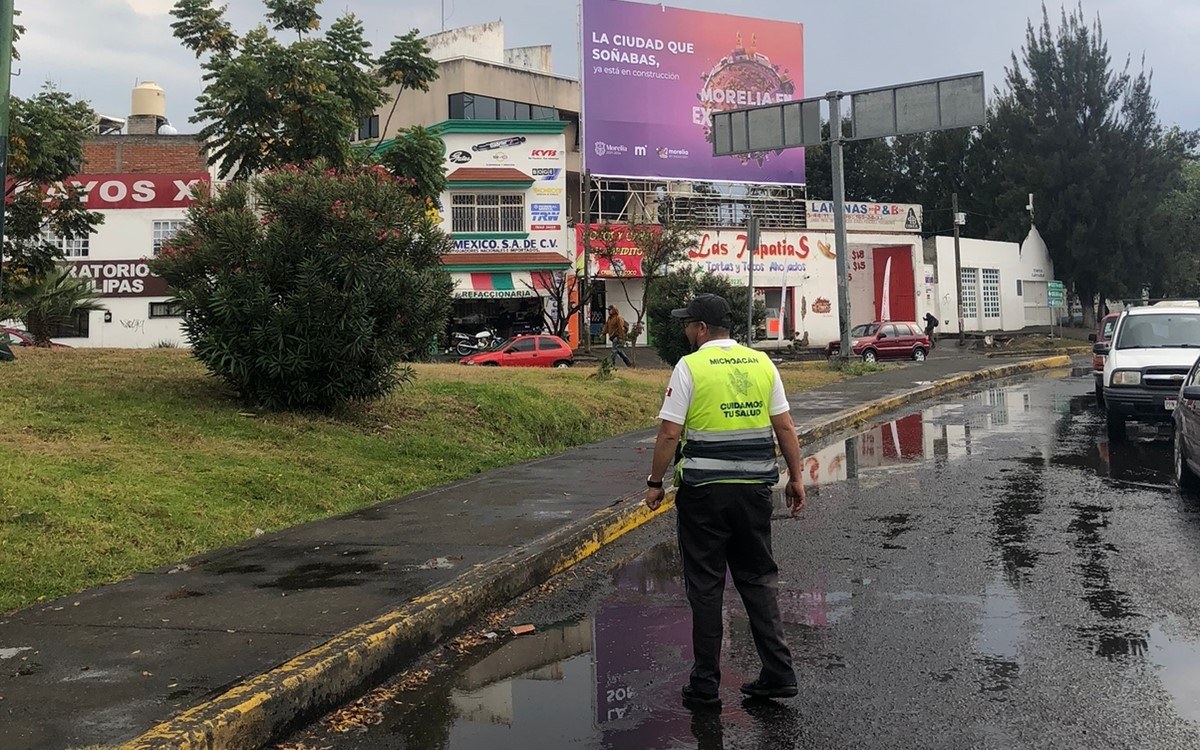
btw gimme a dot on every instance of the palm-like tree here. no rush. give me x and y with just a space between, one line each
44 303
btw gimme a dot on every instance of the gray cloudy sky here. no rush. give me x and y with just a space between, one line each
97 49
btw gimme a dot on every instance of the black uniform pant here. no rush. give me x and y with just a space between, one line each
729 526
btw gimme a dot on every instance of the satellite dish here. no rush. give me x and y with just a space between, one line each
168 129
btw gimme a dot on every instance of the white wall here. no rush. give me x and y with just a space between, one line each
483 41
1029 264
128 234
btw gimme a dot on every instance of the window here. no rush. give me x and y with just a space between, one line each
166 310
888 332
1020 290
479 107
990 278
473 107
523 345
77 328
163 232
368 127
969 307
487 212
73 248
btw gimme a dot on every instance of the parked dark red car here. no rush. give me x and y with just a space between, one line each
885 340
525 351
1102 336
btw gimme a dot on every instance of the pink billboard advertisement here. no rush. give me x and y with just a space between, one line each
653 75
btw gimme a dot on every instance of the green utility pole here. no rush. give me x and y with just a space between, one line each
6 45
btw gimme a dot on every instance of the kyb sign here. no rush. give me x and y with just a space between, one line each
105 191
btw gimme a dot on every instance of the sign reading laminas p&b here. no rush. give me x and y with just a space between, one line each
654 75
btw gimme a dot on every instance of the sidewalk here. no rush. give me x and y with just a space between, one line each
111 663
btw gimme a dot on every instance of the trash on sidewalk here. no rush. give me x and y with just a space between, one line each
522 629
491 635
437 563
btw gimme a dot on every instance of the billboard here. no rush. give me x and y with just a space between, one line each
653 76
615 249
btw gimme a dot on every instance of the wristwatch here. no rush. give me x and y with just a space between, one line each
653 484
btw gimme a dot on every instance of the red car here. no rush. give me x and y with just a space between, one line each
525 351
18 337
885 340
1102 336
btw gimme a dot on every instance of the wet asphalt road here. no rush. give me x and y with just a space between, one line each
988 572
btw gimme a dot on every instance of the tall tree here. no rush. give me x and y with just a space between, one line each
1175 238
1084 138
46 137
267 103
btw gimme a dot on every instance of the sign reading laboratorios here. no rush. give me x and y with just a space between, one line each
654 75
874 217
119 278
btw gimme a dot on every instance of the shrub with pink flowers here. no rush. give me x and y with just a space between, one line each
306 288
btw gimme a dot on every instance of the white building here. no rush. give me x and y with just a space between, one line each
1004 285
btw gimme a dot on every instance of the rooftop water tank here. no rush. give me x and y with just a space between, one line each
149 99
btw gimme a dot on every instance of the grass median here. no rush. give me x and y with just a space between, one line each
115 461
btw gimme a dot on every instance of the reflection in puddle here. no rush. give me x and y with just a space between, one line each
1178 663
945 432
608 681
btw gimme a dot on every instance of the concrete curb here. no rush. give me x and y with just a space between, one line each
1039 353
254 712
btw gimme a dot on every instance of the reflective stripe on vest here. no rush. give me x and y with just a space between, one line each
727 434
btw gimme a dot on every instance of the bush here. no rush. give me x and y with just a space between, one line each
675 290
306 287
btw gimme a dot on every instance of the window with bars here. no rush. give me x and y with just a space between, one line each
970 308
164 231
166 310
990 287
487 212
68 248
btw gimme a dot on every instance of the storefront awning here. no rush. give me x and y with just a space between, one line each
501 284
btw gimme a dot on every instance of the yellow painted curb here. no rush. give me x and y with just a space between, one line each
251 714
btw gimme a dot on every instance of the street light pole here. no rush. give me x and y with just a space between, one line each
752 243
841 245
962 337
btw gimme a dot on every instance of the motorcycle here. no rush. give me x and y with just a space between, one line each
465 343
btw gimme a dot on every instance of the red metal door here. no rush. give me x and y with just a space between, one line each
895 289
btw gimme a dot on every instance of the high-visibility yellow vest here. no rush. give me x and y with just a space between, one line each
727 435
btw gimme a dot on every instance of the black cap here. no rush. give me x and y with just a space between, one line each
709 308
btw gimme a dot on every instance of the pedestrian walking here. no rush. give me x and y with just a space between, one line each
724 408
616 329
931 324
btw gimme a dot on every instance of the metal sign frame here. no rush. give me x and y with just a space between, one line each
918 107
773 127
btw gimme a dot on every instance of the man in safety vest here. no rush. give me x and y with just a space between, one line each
724 408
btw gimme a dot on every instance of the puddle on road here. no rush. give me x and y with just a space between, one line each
965 428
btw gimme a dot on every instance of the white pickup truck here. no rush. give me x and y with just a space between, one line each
1146 361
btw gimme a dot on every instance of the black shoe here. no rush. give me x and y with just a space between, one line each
692 697
760 689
